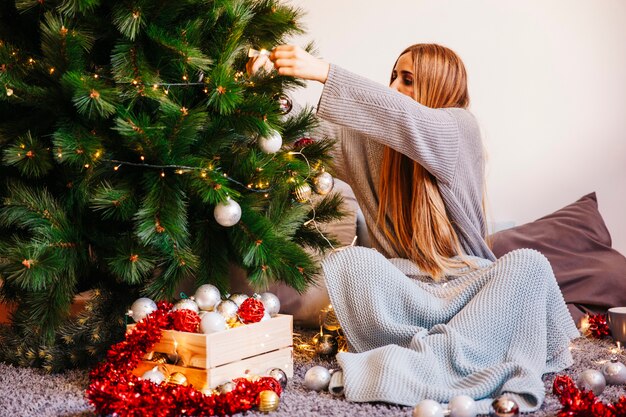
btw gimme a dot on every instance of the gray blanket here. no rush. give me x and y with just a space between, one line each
490 331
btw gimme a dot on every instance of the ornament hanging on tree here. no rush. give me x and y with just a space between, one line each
323 183
154 375
271 143
302 142
141 308
227 213
302 193
212 322
284 104
207 297
271 303
186 304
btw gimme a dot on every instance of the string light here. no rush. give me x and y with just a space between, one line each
51 70
143 158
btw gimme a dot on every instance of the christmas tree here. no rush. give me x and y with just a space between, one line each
137 153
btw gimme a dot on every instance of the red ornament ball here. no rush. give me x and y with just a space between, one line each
301 143
251 311
183 321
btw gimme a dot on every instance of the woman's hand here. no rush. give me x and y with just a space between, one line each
256 63
296 62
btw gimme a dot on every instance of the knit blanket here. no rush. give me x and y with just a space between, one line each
494 330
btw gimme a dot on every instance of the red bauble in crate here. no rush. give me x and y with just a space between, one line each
251 311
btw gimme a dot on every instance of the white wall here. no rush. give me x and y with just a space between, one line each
547 82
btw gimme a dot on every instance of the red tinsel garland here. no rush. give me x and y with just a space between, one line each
251 310
113 389
598 326
577 403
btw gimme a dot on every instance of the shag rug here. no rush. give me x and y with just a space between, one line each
30 392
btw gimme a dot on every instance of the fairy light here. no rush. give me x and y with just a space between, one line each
95 76
115 168
135 82
162 174
136 14
143 158
203 174
9 91
87 166
51 70
179 171
22 146
185 77
155 86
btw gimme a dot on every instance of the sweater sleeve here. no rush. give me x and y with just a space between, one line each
428 136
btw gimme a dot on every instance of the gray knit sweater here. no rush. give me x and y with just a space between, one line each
445 141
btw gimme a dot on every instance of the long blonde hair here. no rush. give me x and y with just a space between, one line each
409 195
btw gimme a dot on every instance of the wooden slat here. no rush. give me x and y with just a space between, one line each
211 378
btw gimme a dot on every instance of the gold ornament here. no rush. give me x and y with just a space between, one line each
303 193
268 401
159 357
329 319
327 345
178 378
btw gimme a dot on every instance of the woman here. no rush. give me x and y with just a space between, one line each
431 313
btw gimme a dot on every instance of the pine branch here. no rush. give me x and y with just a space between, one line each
31 157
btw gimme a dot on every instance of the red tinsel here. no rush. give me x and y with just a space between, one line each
301 143
184 321
577 403
113 389
598 327
251 310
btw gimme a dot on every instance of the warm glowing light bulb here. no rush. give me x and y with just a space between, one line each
115 168
143 158
162 174
52 69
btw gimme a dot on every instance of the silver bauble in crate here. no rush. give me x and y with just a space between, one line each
614 372
207 297
141 308
462 406
186 304
323 183
238 298
212 322
428 408
271 303
504 406
302 193
227 213
317 378
279 375
271 143
335 386
591 380
228 309
154 375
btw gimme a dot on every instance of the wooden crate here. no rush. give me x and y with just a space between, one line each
209 360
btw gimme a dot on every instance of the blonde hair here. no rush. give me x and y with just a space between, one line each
409 195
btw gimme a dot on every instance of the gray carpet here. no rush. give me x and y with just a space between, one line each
28 392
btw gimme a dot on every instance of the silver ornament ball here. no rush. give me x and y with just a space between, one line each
186 304
317 378
154 375
227 213
228 309
302 193
323 183
279 375
504 406
591 380
271 303
212 322
284 103
271 143
428 408
462 406
141 308
238 298
227 387
614 373
207 297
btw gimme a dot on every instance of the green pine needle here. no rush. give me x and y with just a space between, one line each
29 155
